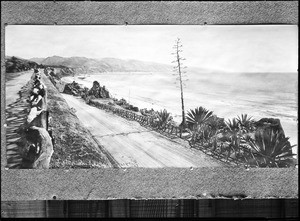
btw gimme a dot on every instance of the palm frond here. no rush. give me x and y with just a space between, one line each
198 117
233 125
272 146
245 123
164 117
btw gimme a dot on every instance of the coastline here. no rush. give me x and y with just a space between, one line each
288 121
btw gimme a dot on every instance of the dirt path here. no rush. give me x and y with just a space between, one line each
133 145
16 112
14 85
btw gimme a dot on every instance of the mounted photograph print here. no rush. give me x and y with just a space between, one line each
152 96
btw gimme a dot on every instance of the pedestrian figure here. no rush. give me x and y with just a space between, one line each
39 84
41 147
35 74
36 100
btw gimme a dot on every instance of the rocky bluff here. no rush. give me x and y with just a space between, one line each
98 91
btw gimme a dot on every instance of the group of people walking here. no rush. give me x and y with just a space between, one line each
37 135
37 97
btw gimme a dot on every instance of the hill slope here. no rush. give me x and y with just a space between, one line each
14 64
103 65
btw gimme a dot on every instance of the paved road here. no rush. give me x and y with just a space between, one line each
13 86
132 145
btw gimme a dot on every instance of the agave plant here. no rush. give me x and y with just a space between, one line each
245 123
272 149
192 137
207 132
233 136
198 117
164 117
216 124
232 127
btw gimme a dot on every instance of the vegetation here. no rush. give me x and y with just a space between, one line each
197 118
164 118
14 64
123 103
246 124
197 124
272 149
239 140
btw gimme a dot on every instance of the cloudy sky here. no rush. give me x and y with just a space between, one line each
227 48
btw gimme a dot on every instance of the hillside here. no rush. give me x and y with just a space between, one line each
14 64
82 64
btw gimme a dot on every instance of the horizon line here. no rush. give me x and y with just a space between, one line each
193 67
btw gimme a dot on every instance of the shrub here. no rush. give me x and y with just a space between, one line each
272 149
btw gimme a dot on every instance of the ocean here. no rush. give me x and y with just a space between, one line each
228 95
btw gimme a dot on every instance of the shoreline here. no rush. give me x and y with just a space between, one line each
288 122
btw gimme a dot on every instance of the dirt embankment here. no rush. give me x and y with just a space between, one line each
74 147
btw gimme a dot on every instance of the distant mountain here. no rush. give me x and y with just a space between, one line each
15 64
82 64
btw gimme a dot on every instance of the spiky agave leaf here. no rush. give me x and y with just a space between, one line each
232 126
216 124
164 117
198 117
207 132
192 136
272 147
245 123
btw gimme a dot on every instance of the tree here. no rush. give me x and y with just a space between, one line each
180 71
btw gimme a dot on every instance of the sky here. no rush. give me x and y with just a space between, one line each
231 48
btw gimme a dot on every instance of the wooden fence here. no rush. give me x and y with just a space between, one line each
147 121
226 154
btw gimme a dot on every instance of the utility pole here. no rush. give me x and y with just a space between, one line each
179 69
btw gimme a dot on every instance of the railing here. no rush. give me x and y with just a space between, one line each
146 121
226 154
